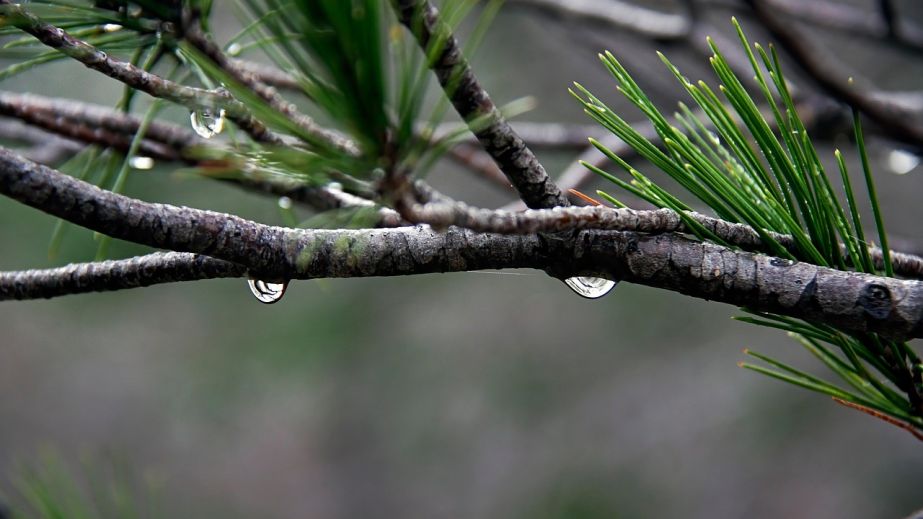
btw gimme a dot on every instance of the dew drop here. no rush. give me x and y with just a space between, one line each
902 162
266 292
285 202
234 49
207 122
589 287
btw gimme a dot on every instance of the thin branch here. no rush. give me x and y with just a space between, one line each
849 300
854 20
269 75
94 124
622 15
42 147
473 103
104 276
133 76
894 121
204 43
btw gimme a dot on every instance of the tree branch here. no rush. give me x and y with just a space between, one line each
851 301
561 219
473 103
622 15
204 43
133 76
893 120
104 276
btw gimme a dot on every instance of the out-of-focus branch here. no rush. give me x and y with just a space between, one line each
473 103
268 75
842 16
94 124
622 15
42 147
103 126
893 121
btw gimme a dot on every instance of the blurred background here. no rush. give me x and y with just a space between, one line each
460 395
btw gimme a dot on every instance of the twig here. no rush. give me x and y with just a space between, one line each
104 276
203 42
473 103
622 15
477 161
89 124
268 75
894 121
94 124
133 76
43 147
881 416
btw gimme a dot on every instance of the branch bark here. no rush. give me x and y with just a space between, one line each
851 301
473 103
133 76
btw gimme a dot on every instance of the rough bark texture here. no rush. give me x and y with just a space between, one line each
473 103
852 301
142 271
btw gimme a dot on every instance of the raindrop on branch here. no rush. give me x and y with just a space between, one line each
207 122
266 292
589 287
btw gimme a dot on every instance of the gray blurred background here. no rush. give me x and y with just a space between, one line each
462 395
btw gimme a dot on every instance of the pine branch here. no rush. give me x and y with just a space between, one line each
621 15
851 301
205 44
562 219
103 126
895 121
93 58
141 271
473 103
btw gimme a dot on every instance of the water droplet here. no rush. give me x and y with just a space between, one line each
589 287
207 122
285 202
902 162
112 27
234 49
266 292
141 163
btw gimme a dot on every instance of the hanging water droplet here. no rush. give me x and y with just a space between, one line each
902 162
207 122
266 292
590 287
285 202
234 49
